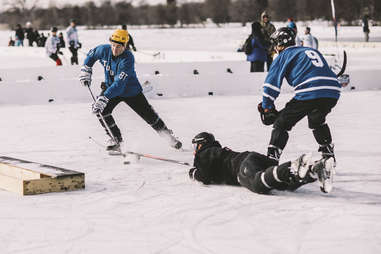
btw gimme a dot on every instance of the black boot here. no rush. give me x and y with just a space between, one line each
327 151
114 145
274 152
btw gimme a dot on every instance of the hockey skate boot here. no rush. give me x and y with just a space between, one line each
327 151
167 134
325 169
301 166
114 145
274 152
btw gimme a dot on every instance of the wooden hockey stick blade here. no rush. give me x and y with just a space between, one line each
344 66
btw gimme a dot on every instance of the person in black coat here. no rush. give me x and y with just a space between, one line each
214 164
19 35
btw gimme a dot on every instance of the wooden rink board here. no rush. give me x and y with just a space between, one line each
29 178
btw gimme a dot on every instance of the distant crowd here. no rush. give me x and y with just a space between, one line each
258 45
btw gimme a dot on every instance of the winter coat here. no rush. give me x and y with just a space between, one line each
259 52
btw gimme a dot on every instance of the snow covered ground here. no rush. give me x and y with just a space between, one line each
152 206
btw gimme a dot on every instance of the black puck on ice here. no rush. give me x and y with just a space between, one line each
39 78
1 79
353 88
210 93
195 72
229 70
159 94
157 72
51 100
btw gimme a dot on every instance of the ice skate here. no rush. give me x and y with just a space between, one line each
301 166
114 146
172 140
325 169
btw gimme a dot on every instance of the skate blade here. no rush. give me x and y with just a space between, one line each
326 184
115 152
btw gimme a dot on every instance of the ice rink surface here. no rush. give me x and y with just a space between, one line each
152 206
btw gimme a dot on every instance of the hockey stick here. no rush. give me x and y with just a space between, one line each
150 156
344 66
149 54
100 117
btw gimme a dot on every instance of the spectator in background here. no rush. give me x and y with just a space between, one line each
365 27
308 40
267 29
52 47
130 43
291 24
41 40
257 55
19 36
62 41
11 42
30 34
72 41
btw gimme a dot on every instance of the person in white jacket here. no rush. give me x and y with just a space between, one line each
72 41
308 40
52 48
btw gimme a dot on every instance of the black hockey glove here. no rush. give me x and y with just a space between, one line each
268 117
196 174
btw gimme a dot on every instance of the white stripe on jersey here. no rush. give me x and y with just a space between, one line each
318 88
268 96
271 87
315 78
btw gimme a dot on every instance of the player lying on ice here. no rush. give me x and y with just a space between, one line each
121 85
214 164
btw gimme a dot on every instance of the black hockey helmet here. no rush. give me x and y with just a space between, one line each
202 139
284 36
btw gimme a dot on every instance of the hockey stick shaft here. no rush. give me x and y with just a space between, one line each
343 67
101 118
153 157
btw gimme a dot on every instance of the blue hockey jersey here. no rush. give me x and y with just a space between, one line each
120 75
306 70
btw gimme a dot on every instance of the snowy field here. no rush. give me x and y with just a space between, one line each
152 206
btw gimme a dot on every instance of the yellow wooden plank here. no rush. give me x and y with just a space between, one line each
12 184
59 184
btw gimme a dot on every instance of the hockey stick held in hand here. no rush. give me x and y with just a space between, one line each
343 67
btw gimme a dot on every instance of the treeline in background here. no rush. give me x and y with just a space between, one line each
348 12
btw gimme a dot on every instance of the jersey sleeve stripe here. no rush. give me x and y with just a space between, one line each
271 87
313 79
268 96
317 88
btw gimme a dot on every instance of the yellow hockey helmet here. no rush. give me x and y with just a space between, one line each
120 36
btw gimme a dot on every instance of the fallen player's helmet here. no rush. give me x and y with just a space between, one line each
202 139
284 36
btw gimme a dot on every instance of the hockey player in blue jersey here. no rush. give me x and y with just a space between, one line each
316 88
121 85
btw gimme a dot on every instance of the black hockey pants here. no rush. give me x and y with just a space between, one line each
137 103
316 110
74 52
261 180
